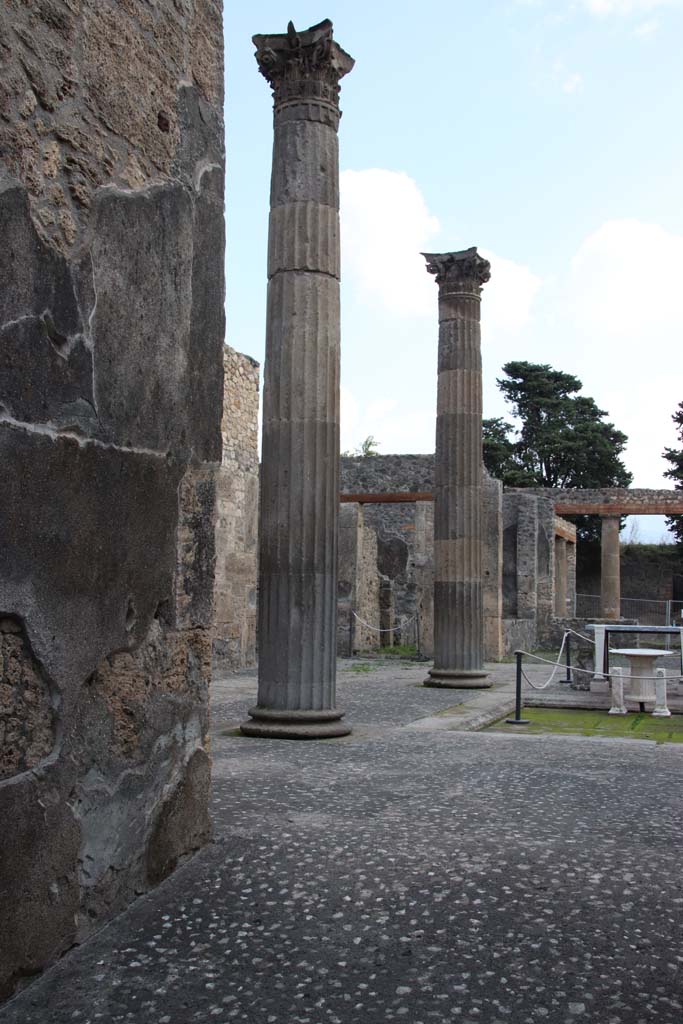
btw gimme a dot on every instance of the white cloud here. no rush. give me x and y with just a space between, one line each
625 289
629 275
396 427
646 29
567 80
572 83
385 225
508 296
625 7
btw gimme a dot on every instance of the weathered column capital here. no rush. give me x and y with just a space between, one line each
303 66
464 272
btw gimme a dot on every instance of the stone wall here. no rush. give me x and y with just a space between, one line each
492 567
647 571
111 331
237 495
614 501
518 557
395 525
358 585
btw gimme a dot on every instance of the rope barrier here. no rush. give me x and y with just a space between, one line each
581 636
522 675
389 629
585 671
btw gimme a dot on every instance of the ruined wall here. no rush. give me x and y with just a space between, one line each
237 493
406 544
423 556
111 329
647 571
358 584
492 567
395 525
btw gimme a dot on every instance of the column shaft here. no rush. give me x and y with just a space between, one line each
610 579
300 459
458 591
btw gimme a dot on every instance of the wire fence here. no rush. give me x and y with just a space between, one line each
646 613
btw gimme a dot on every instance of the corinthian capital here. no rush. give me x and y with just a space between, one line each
303 65
464 271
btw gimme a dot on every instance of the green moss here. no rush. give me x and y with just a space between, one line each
364 668
577 722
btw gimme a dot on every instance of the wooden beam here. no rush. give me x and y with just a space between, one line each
387 498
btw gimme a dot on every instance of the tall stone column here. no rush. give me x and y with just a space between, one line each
610 577
458 590
300 461
561 577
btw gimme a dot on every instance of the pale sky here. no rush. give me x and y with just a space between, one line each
547 133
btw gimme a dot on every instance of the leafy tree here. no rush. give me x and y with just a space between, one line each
562 441
365 450
675 457
499 449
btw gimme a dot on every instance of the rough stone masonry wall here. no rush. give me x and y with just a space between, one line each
111 330
395 525
358 584
237 486
406 543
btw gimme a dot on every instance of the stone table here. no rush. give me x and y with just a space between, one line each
642 665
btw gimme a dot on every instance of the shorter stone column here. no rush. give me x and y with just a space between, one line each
618 705
661 710
610 581
561 577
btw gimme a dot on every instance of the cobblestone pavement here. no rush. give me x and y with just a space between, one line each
404 874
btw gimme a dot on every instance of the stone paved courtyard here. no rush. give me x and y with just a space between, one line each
404 873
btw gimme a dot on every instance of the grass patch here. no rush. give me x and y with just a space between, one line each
402 650
364 667
578 722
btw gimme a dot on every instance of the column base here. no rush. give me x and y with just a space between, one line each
458 679
270 723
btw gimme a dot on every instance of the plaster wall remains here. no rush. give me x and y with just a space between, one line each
358 585
410 584
519 531
111 332
237 495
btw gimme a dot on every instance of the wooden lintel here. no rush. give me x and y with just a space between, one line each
568 532
389 498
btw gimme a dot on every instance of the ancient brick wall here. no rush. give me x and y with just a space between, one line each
111 331
237 487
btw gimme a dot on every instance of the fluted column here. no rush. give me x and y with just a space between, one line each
561 577
300 460
458 590
610 577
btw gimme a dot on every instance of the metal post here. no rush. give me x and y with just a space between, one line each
518 720
568 661
351 632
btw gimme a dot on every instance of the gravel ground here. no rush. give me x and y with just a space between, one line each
403 874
